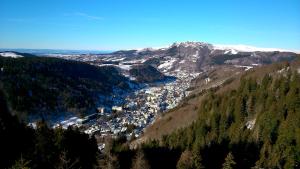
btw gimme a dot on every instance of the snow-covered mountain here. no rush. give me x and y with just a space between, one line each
246 48
189 57
195 56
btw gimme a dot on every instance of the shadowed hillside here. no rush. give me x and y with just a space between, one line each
41 86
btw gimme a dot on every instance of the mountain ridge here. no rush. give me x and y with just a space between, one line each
238 47
197 56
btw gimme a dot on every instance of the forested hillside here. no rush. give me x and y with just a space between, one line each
40 86
146 73
259 123
256 125
43 147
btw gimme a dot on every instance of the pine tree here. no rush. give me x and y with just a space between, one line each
229 161
140 162
185 161
112 162
197 159
21 164
45 151
65 162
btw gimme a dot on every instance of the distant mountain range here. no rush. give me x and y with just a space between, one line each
44 52
192 56
233 48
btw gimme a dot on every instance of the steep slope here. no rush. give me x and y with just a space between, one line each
249 122
258 122
41 86
186 112
221 79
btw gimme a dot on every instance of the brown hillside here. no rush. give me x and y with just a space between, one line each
223 78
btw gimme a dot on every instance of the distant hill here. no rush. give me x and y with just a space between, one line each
146 73
45 52
41 86
13 54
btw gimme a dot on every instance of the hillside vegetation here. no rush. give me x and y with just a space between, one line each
253 125
146 73
39 86
43 147
186 112
258 123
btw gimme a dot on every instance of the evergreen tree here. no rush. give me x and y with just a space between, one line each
65 162
197 159
229 161
185 161
112 162
21 164
45 154
140 161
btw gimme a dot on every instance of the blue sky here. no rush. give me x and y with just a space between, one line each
125 24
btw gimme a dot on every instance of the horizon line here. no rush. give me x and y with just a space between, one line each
154 47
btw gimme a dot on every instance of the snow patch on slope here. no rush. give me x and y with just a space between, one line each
10 54
167 65
245 48
246 67
231 51
124 67
250 124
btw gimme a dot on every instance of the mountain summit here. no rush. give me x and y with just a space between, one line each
198 56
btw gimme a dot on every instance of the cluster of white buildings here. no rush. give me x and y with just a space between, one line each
141 108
